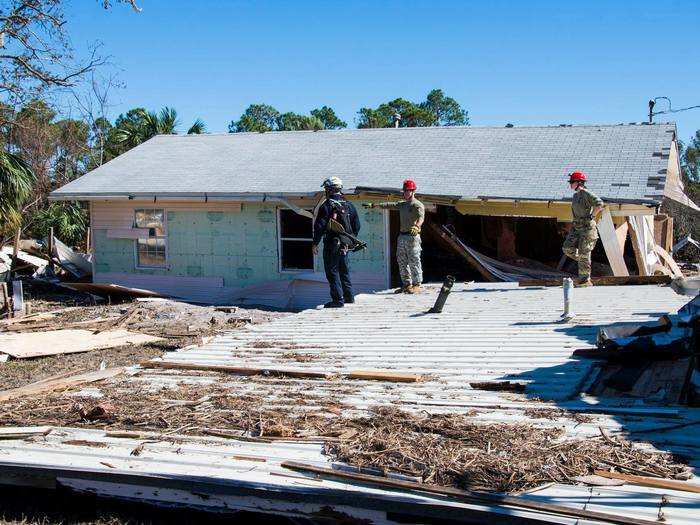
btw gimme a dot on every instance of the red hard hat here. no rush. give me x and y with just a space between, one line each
577 176
408 184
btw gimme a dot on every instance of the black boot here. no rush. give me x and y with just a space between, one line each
349 299
333 304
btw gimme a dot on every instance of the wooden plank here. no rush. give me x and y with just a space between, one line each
608 236
26 345
41 387
621 234
638 248
23 432
237 370
606 281
666 257
651 482
379 375
464 495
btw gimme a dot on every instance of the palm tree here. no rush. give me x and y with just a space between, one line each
16 180
150 124
197 128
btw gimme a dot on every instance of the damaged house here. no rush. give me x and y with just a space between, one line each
228 217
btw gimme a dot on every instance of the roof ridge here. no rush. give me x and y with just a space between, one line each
421 128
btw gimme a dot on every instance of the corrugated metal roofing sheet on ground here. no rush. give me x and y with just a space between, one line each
220 474
519 162
486 333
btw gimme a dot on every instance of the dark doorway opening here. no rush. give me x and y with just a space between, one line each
533 242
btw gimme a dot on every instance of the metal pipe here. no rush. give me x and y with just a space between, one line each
442 296
568 285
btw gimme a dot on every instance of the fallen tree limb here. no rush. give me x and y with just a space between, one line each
467 496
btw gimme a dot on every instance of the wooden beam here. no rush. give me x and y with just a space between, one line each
553 209
606 281
666 257
638 248
464 495
646 481
49 385
237 370
377 375
621 233
608 237
380 375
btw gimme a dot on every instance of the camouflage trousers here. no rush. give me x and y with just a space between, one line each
578 245
408 248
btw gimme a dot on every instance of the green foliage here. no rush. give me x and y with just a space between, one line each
294 122
263 117
256 118
436 110
143 125
69 221
197 128
16 180
328 118
446 111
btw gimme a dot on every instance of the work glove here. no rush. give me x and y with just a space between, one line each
368 205
414 230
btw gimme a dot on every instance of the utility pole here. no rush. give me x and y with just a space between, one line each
652 103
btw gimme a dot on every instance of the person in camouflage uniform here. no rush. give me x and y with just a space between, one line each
582 237
408 245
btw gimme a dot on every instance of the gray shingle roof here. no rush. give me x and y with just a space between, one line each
623 162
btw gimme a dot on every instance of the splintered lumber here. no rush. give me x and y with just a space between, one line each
605 281
238 370
41 387
666 257
379 375
651 482
464 495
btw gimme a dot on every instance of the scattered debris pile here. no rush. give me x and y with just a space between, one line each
450 450
446 450
652 361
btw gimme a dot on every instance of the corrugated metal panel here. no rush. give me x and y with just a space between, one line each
227 474
486 333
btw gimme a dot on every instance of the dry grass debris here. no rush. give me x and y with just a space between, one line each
444 449
450 450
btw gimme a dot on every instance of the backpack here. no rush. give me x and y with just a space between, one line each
340 212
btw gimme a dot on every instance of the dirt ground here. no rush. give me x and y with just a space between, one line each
178 324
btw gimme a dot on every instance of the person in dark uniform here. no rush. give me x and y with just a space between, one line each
335 247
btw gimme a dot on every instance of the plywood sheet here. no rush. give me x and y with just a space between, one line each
37 344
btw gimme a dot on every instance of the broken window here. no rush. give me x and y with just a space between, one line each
151 251
296 238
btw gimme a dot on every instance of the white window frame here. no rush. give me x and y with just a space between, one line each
280 239
164 266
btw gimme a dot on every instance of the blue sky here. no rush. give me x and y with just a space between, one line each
534 62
